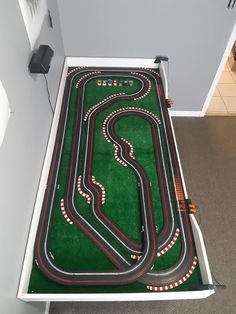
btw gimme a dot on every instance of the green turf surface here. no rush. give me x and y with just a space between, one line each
71 249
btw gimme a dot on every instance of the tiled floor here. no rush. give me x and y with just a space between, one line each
224 99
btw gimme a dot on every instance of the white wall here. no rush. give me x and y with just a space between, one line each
33 16
192 33
23 148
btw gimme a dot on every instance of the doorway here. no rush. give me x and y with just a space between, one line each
223 87
223 101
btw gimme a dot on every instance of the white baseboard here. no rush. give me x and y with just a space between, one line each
47 308
182 113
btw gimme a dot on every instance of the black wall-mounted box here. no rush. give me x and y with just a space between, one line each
41 60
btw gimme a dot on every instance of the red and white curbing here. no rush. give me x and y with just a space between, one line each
177 283
104 129
131 148
63 210
116 156
86 75
102 189
86 196
135 109
150 70
169 246
72 71
149 85
100 103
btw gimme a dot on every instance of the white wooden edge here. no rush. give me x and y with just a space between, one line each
198 238
201 252
27 265
223 61
184 113
47 307
112 62
28 258
164 79
101 297
180 165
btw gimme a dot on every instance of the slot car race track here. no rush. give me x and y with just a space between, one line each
136 264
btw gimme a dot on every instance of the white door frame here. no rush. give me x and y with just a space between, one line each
223 61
